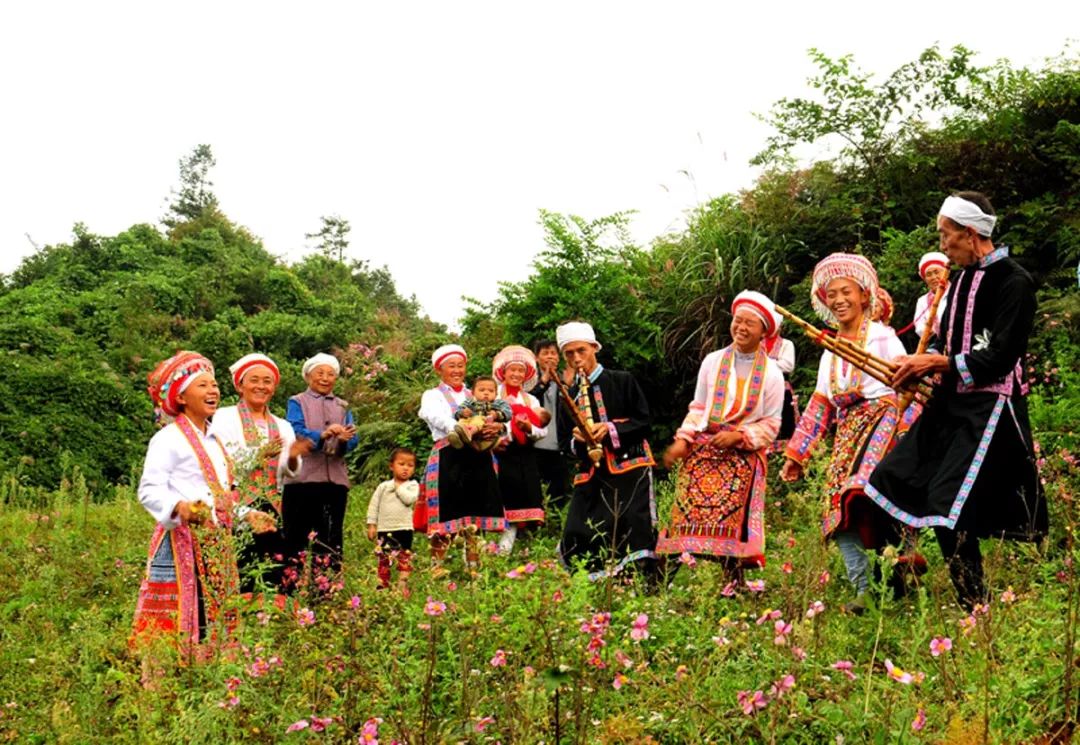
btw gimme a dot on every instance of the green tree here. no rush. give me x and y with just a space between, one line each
332 237
195 196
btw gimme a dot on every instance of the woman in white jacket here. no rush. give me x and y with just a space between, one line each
265 450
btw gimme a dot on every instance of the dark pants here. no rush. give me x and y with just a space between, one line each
261 558
961 552
317 508
555 475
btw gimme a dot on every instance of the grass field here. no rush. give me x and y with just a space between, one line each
527 653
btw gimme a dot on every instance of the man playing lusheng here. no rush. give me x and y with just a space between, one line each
967 467
612 514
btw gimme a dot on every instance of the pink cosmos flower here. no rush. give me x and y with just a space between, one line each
782 628
815 608
845 667
787 568
769 615
305 617
729 590
495 618
1008 596
491 548
919 721
434 607
967 625
229 703
823 578
897 674
451 586
499 660
619 681
318 724
752 702
798 653
297 726
721 641
623 659
233 683
687 558
640 630
980 609
354 602
939 645
756 585
557 596
482 723
782 686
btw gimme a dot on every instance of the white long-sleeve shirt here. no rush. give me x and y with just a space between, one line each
759 427
881 342
784 356
391 505
922 313
227 428
437 412
171 474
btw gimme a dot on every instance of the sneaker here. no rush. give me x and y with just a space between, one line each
506 542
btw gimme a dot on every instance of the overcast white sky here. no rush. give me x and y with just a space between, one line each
437 129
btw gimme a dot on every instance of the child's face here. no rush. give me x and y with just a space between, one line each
485 390
403 466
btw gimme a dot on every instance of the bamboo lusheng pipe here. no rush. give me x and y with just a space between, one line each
924 341
583 424
847 350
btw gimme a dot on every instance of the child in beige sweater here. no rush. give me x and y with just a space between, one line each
389 518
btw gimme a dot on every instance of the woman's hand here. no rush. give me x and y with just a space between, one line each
190 513
300 447
791 471
724 440
371 531
676 451
260 522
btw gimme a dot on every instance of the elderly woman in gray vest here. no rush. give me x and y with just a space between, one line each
313 502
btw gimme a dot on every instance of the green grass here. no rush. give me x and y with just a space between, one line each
69 573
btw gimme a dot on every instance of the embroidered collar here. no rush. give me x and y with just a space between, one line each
596 372
994 256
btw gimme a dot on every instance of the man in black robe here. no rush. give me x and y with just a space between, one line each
611 520
967 467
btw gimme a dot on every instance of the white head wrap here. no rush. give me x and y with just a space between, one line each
761 307
966 213
239 368
576 331
321 359
934 258
445 352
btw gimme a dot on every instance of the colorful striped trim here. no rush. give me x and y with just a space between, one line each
458 524
962 368
528 515
615 570
815 419
947 521
994 256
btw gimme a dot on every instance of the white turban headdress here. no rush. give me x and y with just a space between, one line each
576 331
321 359
760 306
969 214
